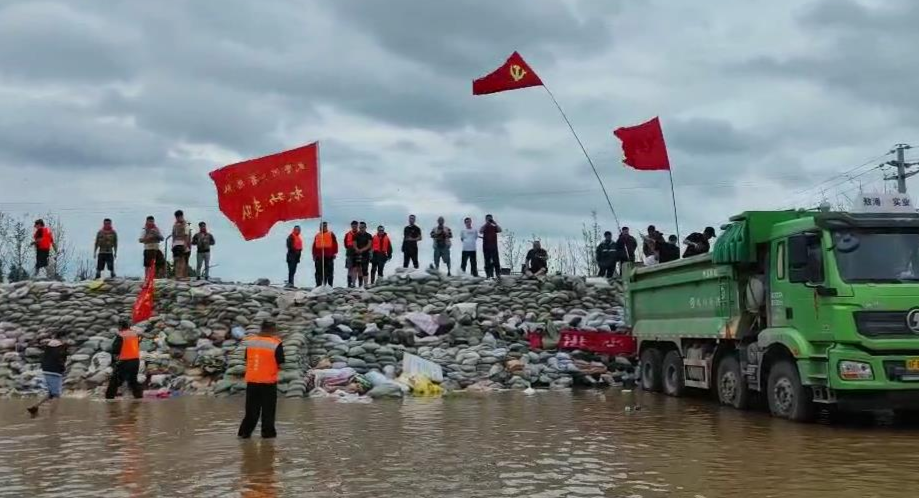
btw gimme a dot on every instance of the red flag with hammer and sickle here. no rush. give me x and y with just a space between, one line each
643 146
258 193
514 74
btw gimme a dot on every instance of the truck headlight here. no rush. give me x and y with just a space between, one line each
855 370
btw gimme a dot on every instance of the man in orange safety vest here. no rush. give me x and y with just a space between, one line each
264 356
125 361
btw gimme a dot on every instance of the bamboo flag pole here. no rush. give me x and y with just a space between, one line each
515 74
676 219
584 150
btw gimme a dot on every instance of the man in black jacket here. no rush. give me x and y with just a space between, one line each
53 361
698 243
625 247
606 256
668 251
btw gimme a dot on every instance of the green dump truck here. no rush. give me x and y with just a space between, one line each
804 307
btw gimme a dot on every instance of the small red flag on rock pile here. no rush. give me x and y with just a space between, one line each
143 305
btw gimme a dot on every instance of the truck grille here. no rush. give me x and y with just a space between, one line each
882 323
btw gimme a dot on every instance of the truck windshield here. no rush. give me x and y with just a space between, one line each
877 255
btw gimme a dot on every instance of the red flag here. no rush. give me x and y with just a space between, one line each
514 74
258 193
644 146
143 305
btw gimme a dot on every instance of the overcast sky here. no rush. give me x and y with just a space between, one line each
121 109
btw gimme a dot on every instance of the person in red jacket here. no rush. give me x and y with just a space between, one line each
43 240
382 252
325 248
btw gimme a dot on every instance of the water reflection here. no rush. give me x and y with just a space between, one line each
126 446
257 470
508 444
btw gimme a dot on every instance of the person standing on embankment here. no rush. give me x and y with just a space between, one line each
294 251
106 248
490 231
381 252
264 356
43 240
125 361
202 242
151 237
325 248
411 234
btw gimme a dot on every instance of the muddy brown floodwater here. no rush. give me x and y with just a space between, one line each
505 444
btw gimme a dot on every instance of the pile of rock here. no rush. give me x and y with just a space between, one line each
474 328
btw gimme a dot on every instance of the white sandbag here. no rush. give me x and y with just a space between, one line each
417 366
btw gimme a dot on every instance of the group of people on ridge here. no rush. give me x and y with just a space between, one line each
366 255
105 248
655 248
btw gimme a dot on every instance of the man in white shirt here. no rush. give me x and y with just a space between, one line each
469 236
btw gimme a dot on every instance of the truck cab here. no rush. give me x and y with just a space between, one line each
805 307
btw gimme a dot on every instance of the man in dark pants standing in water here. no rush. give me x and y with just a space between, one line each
264 356
126 361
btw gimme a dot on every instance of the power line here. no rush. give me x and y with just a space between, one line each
820 186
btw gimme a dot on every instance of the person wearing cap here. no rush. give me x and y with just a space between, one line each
126 361
698 243
264 356
53 361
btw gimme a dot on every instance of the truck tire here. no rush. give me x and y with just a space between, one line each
672 374
651 369
730 384
787 397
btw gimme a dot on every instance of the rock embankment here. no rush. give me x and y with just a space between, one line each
474 328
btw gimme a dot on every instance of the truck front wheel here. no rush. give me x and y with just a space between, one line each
730 383
673 374
787 397
651 369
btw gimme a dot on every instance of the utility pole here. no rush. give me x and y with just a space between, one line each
901 166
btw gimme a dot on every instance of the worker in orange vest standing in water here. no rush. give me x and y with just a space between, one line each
264 356
126 361
325 248
294 250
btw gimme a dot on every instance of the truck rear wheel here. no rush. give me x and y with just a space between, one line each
787 397
651 369
730 383
672 378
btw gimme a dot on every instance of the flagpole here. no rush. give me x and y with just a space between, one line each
676 218
589 161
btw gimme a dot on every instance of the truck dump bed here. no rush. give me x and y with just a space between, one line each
692 297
